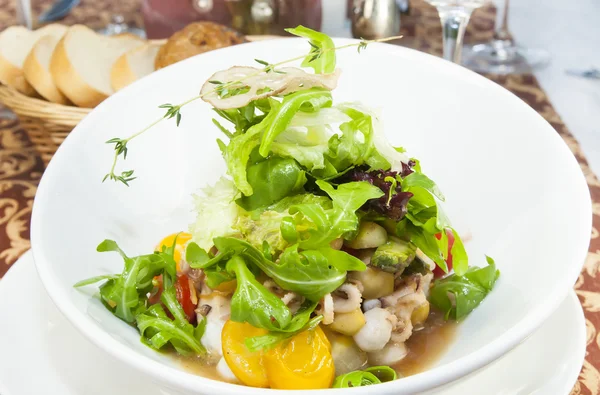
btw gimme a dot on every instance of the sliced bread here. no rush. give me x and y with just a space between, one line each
133 65
37 70
82 61
15 44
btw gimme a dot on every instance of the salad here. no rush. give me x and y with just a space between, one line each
313 261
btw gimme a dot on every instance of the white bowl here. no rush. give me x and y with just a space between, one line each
509 180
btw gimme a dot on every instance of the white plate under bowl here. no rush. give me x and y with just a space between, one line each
39 339
509 179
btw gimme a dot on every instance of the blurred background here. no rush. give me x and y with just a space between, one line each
556 41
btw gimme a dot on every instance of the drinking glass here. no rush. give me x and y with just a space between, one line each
454 15
118 25
502 55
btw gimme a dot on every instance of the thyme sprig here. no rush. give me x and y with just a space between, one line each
223 89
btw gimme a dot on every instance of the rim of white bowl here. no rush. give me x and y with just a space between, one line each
431 378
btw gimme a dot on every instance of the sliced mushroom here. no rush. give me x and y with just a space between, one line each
250 83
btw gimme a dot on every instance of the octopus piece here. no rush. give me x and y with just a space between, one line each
376 332
346 298
410 294
293 301
272 287
370 304
290 299
215 308
391 354
325 308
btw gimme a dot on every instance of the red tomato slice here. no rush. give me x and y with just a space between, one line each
183 293
438 272
184 297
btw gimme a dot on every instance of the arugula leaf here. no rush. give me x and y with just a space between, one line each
279 118
125 294
425 241
157 329
325 226
428 225
460 259
217 274
322 54
417 179
350 196
310 273
369 376
272 180
253 303
458 295
93 280
299 324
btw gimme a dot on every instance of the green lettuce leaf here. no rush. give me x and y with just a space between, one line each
307 145
239 150
265 227
384 155
280 117
216 212
272 180
458 295
355 146
322 54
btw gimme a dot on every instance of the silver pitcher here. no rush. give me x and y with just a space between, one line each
372 19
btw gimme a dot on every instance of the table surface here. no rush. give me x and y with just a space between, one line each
21 167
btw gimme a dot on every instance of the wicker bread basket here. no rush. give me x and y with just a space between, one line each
47 124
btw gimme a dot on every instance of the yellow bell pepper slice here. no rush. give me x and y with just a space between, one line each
302 362
182 240
247 366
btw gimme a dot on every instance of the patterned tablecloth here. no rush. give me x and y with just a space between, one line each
21 168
